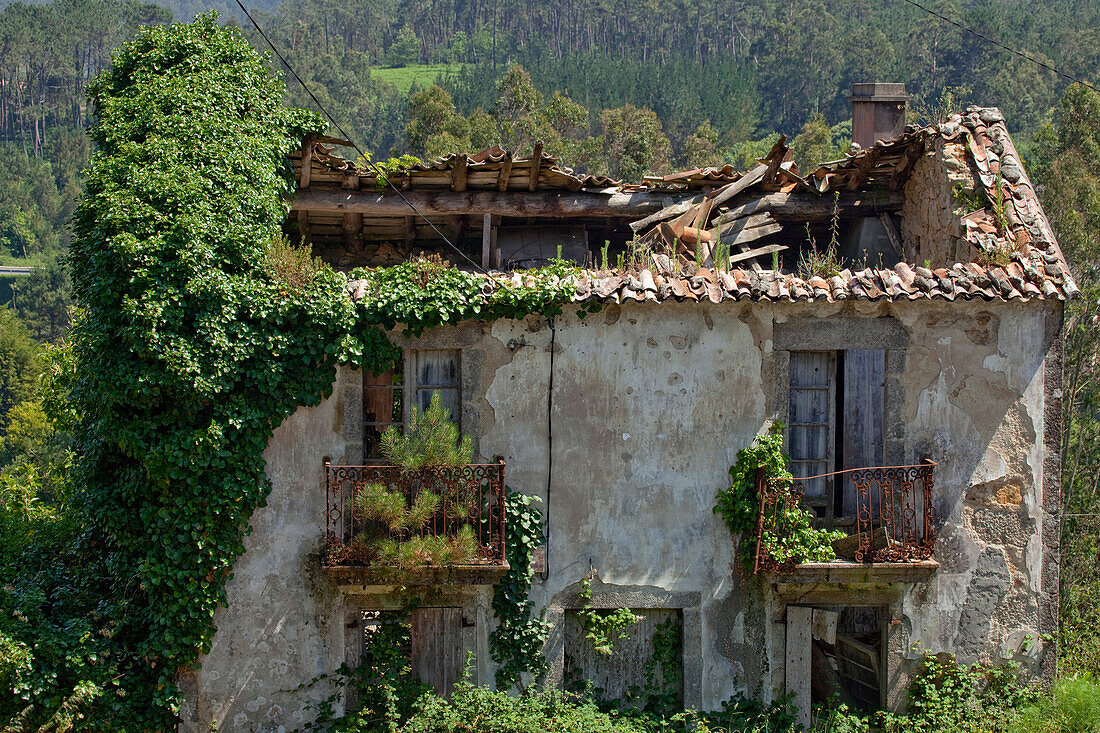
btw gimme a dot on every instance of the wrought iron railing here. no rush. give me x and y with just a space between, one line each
468 496
893 520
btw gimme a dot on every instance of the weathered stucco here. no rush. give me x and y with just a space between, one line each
283 624
649 407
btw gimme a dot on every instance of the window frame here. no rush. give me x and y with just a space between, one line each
410 390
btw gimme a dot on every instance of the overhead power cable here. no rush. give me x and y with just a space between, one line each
998 44
362 156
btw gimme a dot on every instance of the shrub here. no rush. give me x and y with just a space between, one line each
1072 705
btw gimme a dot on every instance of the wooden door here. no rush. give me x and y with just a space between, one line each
864 428
437 656
811 436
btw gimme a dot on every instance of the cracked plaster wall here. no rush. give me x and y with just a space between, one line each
650 405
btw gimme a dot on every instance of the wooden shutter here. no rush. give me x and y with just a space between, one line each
383 404
437 653
613 675
864 426
811 427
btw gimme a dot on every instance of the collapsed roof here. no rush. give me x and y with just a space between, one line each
976 231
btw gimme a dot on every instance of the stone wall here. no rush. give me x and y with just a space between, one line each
649 407
930 227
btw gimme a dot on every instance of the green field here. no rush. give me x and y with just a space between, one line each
403 77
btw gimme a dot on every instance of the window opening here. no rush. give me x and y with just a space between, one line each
437 370
386 396
835 422
635 669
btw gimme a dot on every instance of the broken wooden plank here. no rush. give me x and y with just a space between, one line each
911 155
505 172
730 190
668 212
808 207
892 233
749 254
536 161
863 168
743 230
458 173
774 159
703 214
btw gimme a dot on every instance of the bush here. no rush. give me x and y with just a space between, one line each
1072 705
545 711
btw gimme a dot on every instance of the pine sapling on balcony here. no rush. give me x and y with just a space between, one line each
434 528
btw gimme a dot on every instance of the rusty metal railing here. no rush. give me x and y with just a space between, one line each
894 518
470 495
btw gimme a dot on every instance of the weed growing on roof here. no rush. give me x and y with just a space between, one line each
815 262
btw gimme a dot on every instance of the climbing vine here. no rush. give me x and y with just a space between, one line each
516 643
791 537
202 330
603 626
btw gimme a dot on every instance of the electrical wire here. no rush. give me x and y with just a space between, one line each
549 443
998 44
363 156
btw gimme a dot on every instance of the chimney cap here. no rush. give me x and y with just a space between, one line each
878 92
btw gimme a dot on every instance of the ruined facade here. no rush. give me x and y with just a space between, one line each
625 423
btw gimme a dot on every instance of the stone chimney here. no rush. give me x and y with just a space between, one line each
878 112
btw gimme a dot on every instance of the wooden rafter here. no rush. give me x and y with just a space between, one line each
536 161
505 173
458 173
863 168
915 150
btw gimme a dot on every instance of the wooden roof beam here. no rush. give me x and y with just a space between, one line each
555 204
458 173
536 161
505 173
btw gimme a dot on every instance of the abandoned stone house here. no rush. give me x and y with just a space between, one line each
930 358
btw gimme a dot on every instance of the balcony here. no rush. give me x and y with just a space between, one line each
891 536
427 526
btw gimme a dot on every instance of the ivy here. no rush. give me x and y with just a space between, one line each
200 334
516 643
791 538
603 626
201 331
425 292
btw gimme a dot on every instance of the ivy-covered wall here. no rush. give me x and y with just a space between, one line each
651 404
